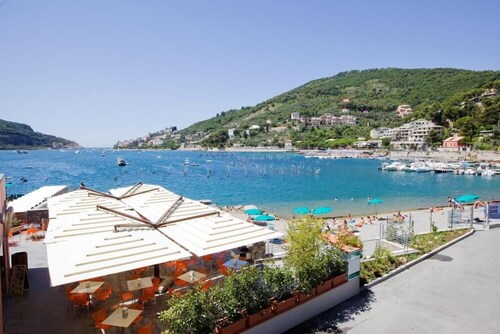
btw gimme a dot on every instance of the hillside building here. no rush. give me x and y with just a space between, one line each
295 116
411 135
404 110
454 142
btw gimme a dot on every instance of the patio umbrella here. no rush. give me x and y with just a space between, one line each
375 201
253 212
264 218
467 198
96 234
322 210
302 210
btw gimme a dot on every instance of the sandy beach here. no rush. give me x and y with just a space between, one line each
420 217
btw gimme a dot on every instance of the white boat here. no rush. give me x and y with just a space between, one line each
489 172
396 165
186 162
418 167
121 162
470 171
441 167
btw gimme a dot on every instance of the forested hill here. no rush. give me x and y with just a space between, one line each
21 136
370 95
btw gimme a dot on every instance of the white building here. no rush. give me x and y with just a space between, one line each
288 145
411 135
295 116
230 133
315 121
404 110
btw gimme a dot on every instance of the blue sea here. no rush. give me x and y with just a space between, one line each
275 182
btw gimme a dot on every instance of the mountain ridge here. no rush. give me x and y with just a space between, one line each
15 135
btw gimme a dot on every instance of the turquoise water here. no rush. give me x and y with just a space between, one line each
277 182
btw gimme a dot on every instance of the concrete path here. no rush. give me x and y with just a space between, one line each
456 291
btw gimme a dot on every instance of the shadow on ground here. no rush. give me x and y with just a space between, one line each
329 321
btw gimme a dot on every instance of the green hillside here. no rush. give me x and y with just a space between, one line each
21 136
371 95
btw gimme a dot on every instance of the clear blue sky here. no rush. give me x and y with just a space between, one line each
99 71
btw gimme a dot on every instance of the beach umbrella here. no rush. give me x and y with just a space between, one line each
248 207
253 212
375 201
466 198
301 210
264 218
322 210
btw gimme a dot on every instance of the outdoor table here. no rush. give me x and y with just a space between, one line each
139 283
235 264
88 287
122 319
191 276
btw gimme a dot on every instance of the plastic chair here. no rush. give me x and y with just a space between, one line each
133 276
140 307
126 296
156 283
147 295
209 259
147 329
206 285
81 299
170 265
181 265
140 270
178 273
99 316
103 294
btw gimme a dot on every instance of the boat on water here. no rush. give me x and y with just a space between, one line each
441 167
394 166
186 162
21 152
121 162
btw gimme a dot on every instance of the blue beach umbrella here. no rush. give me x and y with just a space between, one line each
264 218
322 210
302 210
253 212
466 198
375 201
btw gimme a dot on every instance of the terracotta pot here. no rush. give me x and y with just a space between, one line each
283 306
259 317
339 280
324 287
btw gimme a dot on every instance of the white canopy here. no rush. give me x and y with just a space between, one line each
35 198
109 253
85 221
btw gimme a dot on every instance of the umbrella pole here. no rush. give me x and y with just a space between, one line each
156 270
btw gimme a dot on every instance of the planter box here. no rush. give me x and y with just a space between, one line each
302 297
339 280
259 317
284 306
236 327
324 287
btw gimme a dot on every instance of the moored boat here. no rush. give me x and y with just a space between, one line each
121 162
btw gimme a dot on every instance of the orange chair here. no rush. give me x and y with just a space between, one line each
208 258
140 307
201 270
81 299
178 273
171 292
99 316
156 283
126 296
181 265
171 265
206 285
147 295
147 329
103 294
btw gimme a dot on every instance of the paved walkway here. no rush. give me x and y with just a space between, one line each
456 291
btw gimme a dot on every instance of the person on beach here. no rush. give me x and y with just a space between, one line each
449 201
369 220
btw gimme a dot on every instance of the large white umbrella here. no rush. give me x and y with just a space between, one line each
85 221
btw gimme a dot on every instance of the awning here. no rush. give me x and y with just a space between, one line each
83 221
36 198
109 253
